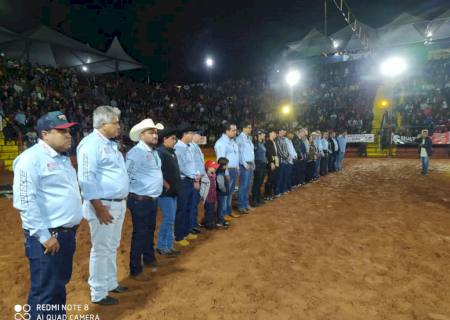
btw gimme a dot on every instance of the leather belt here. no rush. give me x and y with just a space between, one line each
139 197
114 200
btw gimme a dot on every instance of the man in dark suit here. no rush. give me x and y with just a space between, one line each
273 164
334 151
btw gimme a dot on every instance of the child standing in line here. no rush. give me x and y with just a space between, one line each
210 196
223 187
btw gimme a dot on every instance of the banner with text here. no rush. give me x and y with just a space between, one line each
355 138
441 138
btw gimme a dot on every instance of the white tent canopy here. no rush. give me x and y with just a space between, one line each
313 44
46 46
7 35
119 60
405 29
348 40
440 27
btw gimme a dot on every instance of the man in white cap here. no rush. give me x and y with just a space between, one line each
146 184
104 187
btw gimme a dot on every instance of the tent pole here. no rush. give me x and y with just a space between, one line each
325 17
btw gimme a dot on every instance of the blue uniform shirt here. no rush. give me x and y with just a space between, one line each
144 170
342 142
186 162
101 168
227 148
291 150
45 191
199 158
246 149
319 146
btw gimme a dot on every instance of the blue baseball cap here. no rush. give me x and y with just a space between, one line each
53 120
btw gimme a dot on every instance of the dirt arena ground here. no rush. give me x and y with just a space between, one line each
371 242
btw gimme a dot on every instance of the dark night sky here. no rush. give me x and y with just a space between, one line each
172 37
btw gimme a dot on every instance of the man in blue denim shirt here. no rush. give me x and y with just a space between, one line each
47 195
246 167
146 184
226 147
199 160
104 187
190 182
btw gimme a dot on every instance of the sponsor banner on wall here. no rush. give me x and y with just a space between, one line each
354 138
441 138
203 140
398 139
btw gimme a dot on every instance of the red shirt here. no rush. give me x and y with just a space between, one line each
212 193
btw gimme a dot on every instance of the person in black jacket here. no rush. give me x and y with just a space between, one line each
334 151
167 201
425 149
273 164
302 155
260 167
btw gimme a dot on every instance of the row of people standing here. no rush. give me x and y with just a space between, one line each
165 169
283 159
52 198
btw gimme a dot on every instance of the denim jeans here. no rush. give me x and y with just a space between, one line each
425 162
280 186
288 177
143 217
339 159
245 178
168 206
193 215
233 177
259 174
184 204
221 208
317 167
49 274
210 214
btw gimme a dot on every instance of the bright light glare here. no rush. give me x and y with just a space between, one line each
335 44
292 77
384 103
286 109
209 62
429 34
89 60
393 67
84 68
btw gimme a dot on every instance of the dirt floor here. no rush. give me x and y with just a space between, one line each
371 242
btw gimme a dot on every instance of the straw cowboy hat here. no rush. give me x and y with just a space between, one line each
142 126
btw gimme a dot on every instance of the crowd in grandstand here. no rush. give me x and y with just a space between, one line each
423 98
335 100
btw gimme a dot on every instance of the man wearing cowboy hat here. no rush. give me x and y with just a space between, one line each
146 184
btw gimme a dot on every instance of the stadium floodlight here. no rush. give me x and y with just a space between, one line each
286 109
335 44
209 62
292 78
84 68
393 67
